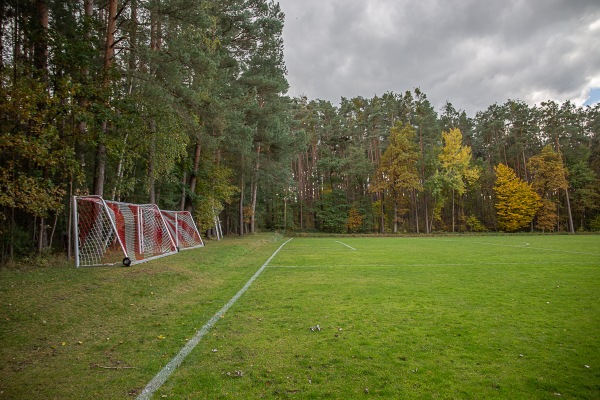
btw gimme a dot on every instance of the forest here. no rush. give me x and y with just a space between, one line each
183 104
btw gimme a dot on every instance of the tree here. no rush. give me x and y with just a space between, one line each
355 219
548 175
455 161
516 201
397 172
426 124
331 211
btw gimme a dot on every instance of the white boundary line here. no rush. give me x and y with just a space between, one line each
164 374
350 247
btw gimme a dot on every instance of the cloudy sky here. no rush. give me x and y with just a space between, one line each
469 52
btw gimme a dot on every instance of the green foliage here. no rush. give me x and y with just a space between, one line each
214 190
332 212
36 161
595 224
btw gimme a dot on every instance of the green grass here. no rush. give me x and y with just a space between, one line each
456 317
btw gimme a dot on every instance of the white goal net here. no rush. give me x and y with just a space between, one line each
110 232
183 229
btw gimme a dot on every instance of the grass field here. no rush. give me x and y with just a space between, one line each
454 317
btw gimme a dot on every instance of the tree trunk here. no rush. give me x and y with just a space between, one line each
452 210
116 192
254 192
152 163
241 210
182 199
88 7
70 222
570 215
415 200
426 201
395 216
100 168
382 227
189 204
40 47
41 235
284 214
109 53
109 50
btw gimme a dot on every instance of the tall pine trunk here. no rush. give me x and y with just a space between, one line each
452 210
109 53
152 164
255 191
382 221
569 214
395 216
40 47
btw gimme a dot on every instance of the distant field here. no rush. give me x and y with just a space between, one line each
454 317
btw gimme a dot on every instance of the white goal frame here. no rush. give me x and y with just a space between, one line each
183 229
112 233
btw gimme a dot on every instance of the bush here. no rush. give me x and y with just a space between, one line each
475 225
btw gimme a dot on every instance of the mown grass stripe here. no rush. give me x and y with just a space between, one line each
164 374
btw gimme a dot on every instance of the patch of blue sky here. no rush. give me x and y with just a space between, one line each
594 97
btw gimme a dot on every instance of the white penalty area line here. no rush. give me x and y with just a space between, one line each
350 247
168 369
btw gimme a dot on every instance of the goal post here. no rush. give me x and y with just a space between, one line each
183 229
110 232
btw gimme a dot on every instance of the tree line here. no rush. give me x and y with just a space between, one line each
183 104
393 164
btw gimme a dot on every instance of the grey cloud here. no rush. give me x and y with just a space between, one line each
470 53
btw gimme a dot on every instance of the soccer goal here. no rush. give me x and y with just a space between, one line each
111 232
183 229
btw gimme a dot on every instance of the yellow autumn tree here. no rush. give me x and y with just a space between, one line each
516 201
457 169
